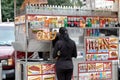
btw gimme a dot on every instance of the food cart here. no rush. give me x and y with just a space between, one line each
35 27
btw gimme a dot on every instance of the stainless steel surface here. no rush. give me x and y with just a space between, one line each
115 70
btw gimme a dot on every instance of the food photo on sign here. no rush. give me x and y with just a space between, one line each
107 66
48 68
34 69
49 77
37 77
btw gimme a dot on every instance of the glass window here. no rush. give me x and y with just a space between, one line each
6 35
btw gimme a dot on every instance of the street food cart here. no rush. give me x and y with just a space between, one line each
35 27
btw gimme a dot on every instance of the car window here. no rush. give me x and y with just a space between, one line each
6 35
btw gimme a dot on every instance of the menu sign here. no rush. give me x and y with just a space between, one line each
95 71
101 49
41 72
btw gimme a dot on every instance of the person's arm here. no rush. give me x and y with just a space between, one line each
55 40
74 54
56 49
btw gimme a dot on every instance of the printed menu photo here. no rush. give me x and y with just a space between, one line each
37 77
48 68
107 66
113 40
82 67
113 46
103 45
99 66
96 57
84 76
34 69
91 46
113 54
49 77
91 67
108 75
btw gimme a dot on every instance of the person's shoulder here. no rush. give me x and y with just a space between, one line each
72 41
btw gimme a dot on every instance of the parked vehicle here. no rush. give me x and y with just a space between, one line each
6 49
7 53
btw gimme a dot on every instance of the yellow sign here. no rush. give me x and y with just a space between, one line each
41 35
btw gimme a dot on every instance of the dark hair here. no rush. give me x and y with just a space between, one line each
64 34
65 37
62 30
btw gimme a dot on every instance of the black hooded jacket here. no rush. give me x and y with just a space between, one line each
67 49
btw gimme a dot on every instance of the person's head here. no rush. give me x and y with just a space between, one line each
64 34
63 30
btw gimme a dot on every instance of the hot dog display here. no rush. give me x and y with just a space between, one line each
101 49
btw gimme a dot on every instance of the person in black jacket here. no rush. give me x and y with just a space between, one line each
64 50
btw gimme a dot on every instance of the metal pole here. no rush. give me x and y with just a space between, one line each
14 9
15 40
91 4
26 48
118 11
14 17
16 65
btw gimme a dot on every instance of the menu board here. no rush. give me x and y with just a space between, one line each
41 72
101 49
95 70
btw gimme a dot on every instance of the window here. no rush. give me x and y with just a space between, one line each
6 35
